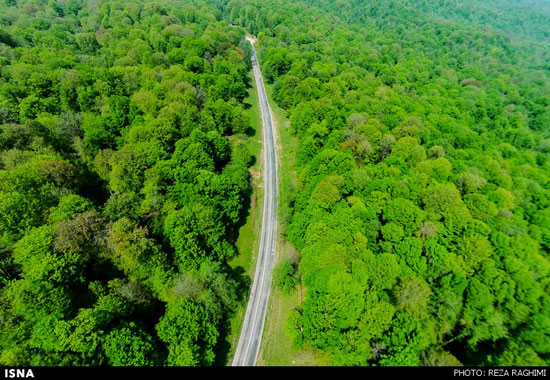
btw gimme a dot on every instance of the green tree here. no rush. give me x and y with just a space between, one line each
190 333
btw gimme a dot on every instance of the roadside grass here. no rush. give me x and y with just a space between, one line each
249 234
277 345
277 348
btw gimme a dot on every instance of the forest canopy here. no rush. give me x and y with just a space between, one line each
421 211
423 192
123 175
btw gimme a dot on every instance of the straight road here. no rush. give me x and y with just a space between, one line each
253 325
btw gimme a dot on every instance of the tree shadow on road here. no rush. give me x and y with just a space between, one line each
223 346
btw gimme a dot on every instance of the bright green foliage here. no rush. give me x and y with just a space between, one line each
404 212
284 275
408 150
69 206
190 333
422 164
421 209
444 201
133 252
412 295
326 193
129 346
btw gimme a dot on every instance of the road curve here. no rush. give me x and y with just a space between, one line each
253 325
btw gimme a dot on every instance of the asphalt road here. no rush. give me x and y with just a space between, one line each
253 325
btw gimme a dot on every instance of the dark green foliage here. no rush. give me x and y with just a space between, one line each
118 181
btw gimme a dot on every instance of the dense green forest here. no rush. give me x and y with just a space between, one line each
123 175
422 206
